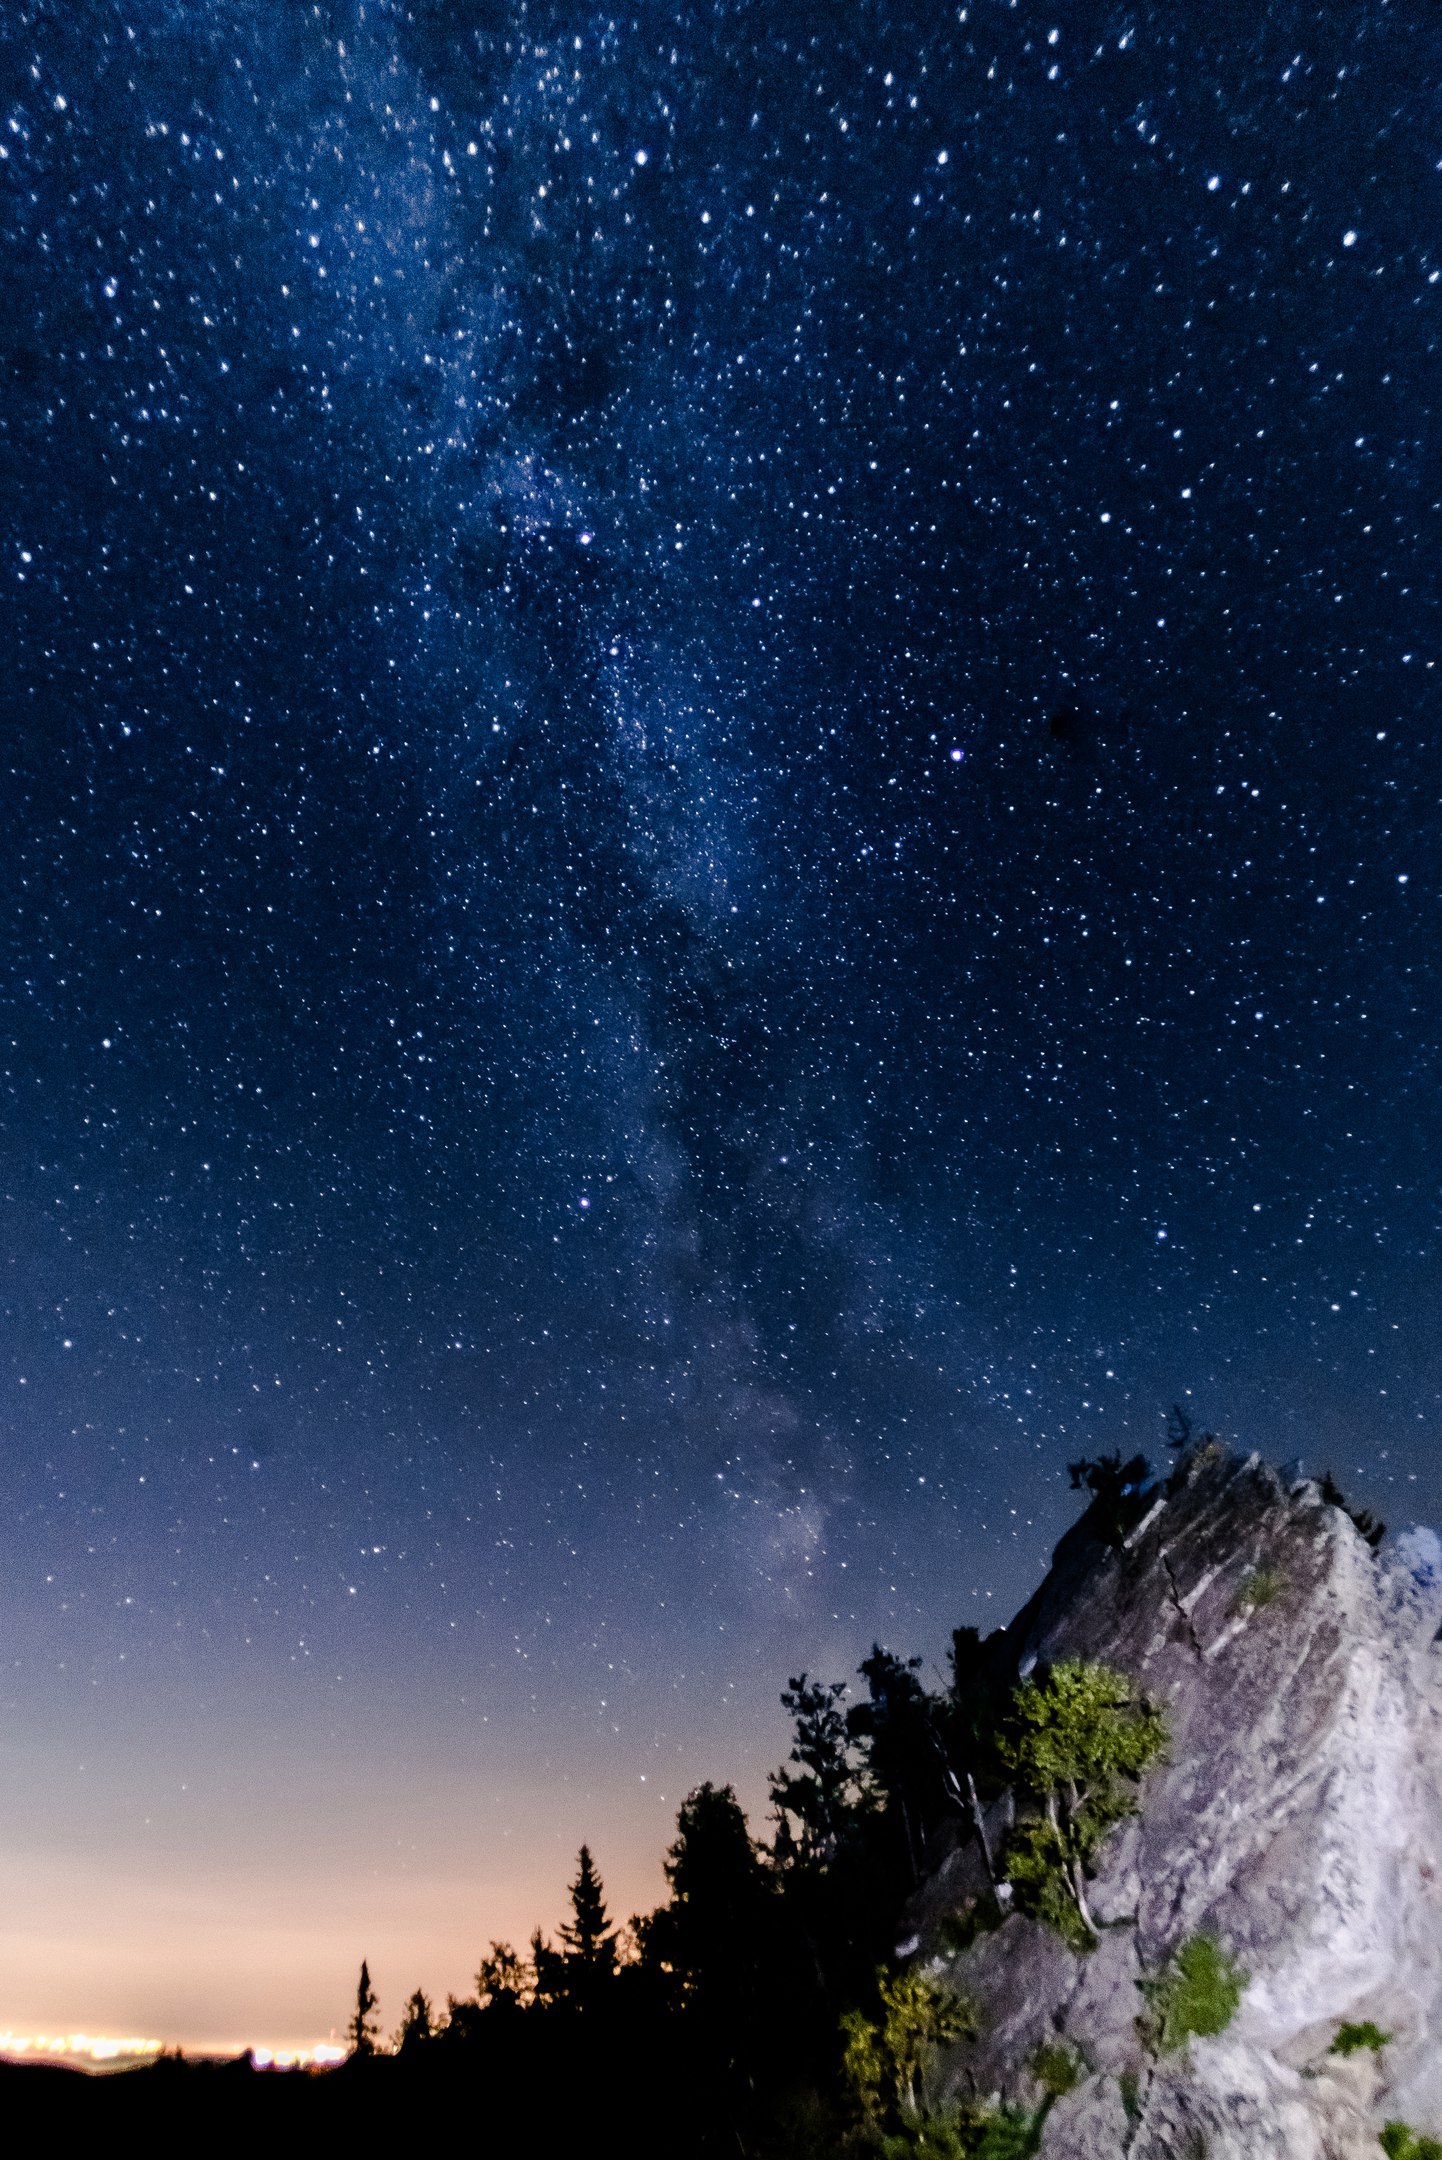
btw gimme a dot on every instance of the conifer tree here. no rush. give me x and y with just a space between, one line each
365 2023
588 1935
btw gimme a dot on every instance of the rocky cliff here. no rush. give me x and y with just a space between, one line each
1297 1819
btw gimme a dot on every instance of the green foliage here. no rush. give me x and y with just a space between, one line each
1011 2133
1196 1994
1349 2038
1079 1726
927 2137
1038 1868
967 2131
1399 2142
1074 1741
1130 2086
884 2063
1262 1587
1056 2069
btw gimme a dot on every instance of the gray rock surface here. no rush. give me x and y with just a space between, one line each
1298 1818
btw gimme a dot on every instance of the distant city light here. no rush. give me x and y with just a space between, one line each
78 2047
110 2049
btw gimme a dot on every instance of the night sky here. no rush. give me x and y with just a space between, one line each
718 832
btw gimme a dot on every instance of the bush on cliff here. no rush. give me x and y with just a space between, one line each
1076 1741
1196 1994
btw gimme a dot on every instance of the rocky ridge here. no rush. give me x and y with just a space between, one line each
1297 1818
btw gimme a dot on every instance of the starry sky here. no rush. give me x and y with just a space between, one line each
718 831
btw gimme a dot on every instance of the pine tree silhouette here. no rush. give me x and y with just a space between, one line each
589 1938
365 2023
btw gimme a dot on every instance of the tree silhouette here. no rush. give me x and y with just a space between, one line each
899 1727
823 1796
365 2023
1371 1526
588 1935
1118 1492
548 1973
501 1978
712 1935
417 2026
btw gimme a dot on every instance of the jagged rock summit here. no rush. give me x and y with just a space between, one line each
1297 1818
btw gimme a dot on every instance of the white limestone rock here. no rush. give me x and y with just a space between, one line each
1298 1818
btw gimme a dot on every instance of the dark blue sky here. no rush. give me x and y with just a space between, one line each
718 831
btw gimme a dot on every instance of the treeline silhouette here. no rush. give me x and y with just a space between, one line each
710 2026
731 2020
723 2005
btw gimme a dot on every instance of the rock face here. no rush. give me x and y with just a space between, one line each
1297 1818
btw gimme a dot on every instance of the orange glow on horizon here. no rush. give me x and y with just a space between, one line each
102 2051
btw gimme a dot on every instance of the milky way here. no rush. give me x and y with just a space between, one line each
719 831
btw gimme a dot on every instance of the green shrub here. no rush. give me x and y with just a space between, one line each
927 2137
1262 1587
1056 2069
1011 2133
1349 2038
1076 1740
1399 2142
1196 1994
1037 1868
967 2132
884 2061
